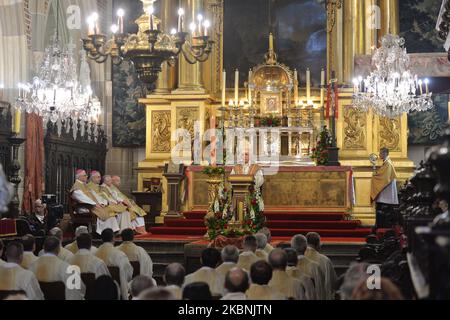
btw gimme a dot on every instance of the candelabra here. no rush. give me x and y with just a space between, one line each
150 47
14 176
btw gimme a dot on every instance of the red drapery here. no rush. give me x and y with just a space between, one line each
34 162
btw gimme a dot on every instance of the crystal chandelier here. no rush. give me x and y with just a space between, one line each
391 90
56 93
150 47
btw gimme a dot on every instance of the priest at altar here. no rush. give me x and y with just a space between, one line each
247 168
384 185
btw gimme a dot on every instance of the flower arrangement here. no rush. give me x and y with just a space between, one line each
214 171
254 218
320 153
270 121
218 221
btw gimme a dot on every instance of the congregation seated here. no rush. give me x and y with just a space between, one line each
50 269
73 247
289 286
248 256
63 253
174 277
237 283
15 279
309 267
325 264
197 291
115 260
292 270
261 274
106 289
29 247
140 284
136 254
207 273
230 258
261 244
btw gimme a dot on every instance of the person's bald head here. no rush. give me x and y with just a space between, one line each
313 240
299 244
14 252
116 181
237 280
261 240
278 259
156 293
174 275
140 284
57 233
107 180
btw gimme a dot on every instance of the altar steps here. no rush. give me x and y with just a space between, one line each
281 224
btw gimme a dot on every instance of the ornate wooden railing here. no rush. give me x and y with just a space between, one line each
80 145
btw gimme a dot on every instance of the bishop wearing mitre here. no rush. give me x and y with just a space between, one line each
106 218
384 183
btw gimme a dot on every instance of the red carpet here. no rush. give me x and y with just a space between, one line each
282 224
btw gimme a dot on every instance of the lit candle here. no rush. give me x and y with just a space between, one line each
271 42
295 85
200 19
421 86
91 25
224 87
360 81
114 29
426 86
151 10
236 85
206 25
322 87
180 19
1 90
308 84
231 103
95 23
120 14
355 85
17 119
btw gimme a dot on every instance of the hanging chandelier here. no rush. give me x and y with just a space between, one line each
56 93
151 46
391 90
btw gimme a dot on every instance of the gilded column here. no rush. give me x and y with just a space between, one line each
190 75
372 23
166 77
390 20
348 34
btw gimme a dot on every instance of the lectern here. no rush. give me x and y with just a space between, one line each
175 175
241 185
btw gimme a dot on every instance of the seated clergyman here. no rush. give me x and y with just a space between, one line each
106 218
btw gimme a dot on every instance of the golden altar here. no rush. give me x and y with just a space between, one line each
191 97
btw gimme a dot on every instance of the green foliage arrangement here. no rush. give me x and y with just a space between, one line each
320 153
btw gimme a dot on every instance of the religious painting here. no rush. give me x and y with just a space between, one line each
271 104
299 28
128 116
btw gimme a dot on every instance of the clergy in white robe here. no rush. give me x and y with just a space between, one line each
137 213
248 256
50 268
308 267
86 260
261 274
324 262
106 218
230 257
28 259
115 258
136 253
384 183
63 253
14 278
174 277
29 246
73 247
290 287
306 282
207 273
237 283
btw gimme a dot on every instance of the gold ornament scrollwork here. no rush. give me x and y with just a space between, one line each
355 125
390 130
186 118
161 123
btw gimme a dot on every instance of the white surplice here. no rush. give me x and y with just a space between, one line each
89 263
327 269
63 254
15 278
136 253
28 259
209 276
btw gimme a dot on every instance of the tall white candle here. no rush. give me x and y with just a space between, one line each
236 86
322 87
250 76
308 84
224 87
295 87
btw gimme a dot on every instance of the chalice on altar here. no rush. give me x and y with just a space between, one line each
373 158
